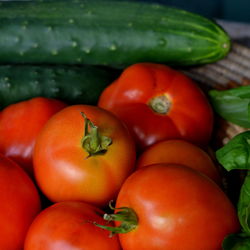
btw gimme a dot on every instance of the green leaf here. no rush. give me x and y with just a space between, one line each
244 205
239 241
236 153
233 105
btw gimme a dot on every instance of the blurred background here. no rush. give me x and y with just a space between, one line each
231 10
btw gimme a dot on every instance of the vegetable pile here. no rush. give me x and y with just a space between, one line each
104 143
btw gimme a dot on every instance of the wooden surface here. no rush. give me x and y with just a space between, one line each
236 30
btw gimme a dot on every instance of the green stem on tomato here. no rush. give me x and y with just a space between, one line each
125 215
93 142
160 104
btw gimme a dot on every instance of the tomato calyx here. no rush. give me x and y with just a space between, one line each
160 104
93 142
125 215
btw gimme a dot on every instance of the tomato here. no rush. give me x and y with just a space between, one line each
69 225
19 125
20 203
180 152
157 103
173 207
83 153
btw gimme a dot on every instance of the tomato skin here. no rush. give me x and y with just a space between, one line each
177 208
20 203
69 225
189 117
20 124
63 168
180 152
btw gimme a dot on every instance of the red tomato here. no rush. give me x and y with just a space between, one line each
174 207
157 103
19 125
69 225
180 152
20 203
65 169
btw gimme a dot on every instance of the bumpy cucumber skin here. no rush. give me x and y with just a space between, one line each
71 84
100 32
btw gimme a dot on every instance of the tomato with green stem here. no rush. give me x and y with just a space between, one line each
83 153
169 206
69 225
158 103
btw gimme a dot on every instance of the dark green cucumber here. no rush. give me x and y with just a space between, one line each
72 84
100 32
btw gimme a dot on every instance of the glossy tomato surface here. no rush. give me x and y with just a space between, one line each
69 225
20 203
177 208
180 152
65 170
157 103
20 124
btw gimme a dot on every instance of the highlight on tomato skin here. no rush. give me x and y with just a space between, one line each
157 103
170 206
83 153
20 203
180 152
20 123
70 225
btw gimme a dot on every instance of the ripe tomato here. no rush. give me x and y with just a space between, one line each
20 203
157 103
180 152
83 158
69 225
173 207
19 125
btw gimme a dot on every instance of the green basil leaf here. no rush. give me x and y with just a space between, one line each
239 241
236 153
244 205
233 104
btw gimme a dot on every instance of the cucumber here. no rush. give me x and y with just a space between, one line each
71 84
113 33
